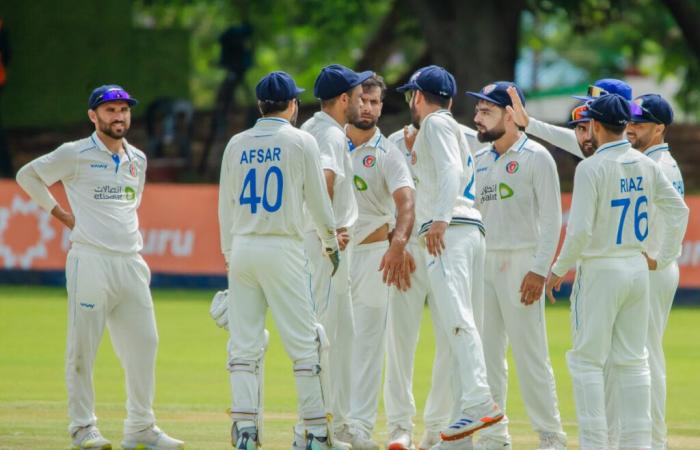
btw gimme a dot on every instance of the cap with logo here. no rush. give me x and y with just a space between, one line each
612 109
579 114
109 93
277 87
607 86
497 93
336 79
651 108
433 79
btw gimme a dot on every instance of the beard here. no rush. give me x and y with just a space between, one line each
415 118
353 114
490 135
587 147
365 124
594 141
107 129
640 142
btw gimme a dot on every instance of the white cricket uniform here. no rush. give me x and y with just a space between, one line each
564 138
444 177
614 191
380 169
332 296
268 173
519 198
106 277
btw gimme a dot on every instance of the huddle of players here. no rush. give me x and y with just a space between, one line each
318 224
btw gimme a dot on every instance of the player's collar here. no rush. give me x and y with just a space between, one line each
622 143
371 142
517 147
101 146
272 121
657 148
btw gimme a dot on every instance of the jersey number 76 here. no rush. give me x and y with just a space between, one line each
639 217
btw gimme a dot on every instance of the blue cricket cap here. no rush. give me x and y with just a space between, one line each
607 86
497 93
109 93
651 108
612 109
277 87
336 79
433 79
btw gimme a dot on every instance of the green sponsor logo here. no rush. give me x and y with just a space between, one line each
505 191
130 194
360 184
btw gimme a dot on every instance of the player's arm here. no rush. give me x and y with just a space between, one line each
548 200
674 212
226 202
444 147
142 182
563 138
36 176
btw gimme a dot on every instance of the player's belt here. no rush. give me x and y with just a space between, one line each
455 221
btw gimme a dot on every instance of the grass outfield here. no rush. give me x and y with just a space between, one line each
192 381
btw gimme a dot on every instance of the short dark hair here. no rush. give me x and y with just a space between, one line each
270 107
613 129
375 81
443 102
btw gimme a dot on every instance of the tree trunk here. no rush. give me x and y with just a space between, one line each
383 42
687 16
476 40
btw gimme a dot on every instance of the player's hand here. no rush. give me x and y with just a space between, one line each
531 288
63 216
397 266
435 238
553 282
334 256
409 136
343 238
651 262
520 116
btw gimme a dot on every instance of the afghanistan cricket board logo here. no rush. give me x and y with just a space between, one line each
512 167
369 161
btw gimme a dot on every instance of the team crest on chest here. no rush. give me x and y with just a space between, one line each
369 161
512 167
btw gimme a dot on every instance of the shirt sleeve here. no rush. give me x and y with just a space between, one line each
58 165
444 147
332 150
581 216
674 212
142 180
316 196
34 186
548 198
396 171
563 138
226 206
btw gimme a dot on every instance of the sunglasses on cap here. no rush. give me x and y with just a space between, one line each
579 113
639 111
112 95
596 91
408 96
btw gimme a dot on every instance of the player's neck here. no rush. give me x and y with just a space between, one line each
506 141
358 136
112 144
606 138
653 143
337 114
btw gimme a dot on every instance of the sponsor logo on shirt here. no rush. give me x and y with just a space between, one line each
98 166
360 184
512 167
107 192
495 192
369 161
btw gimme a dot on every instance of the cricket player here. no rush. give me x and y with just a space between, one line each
385 198
403 324
452 233
268 173
651 117
107 279
340 93
614 191
518 195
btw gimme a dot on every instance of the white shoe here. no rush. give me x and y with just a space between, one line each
343 438
361 440
489 443
89 437
320 443
151 438
552 441
400 439
472 421
463 444
429 439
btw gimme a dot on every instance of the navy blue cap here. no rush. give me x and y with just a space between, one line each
612 109
651 108
433 79
277 87
336 79
607 86
109 93
497 93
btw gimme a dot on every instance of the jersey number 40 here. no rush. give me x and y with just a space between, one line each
249 192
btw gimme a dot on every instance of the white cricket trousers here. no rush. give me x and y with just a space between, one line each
609 319
270 271
662 289
369 307
403 327
107 288
333 307
507 320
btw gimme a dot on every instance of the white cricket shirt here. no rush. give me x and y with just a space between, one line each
520 201
333 144
104 191
379 169
268 173
613 190
564 138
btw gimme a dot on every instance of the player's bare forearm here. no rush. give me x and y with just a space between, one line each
63 216
404 199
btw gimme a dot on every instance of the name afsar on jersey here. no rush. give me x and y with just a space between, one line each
260 155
